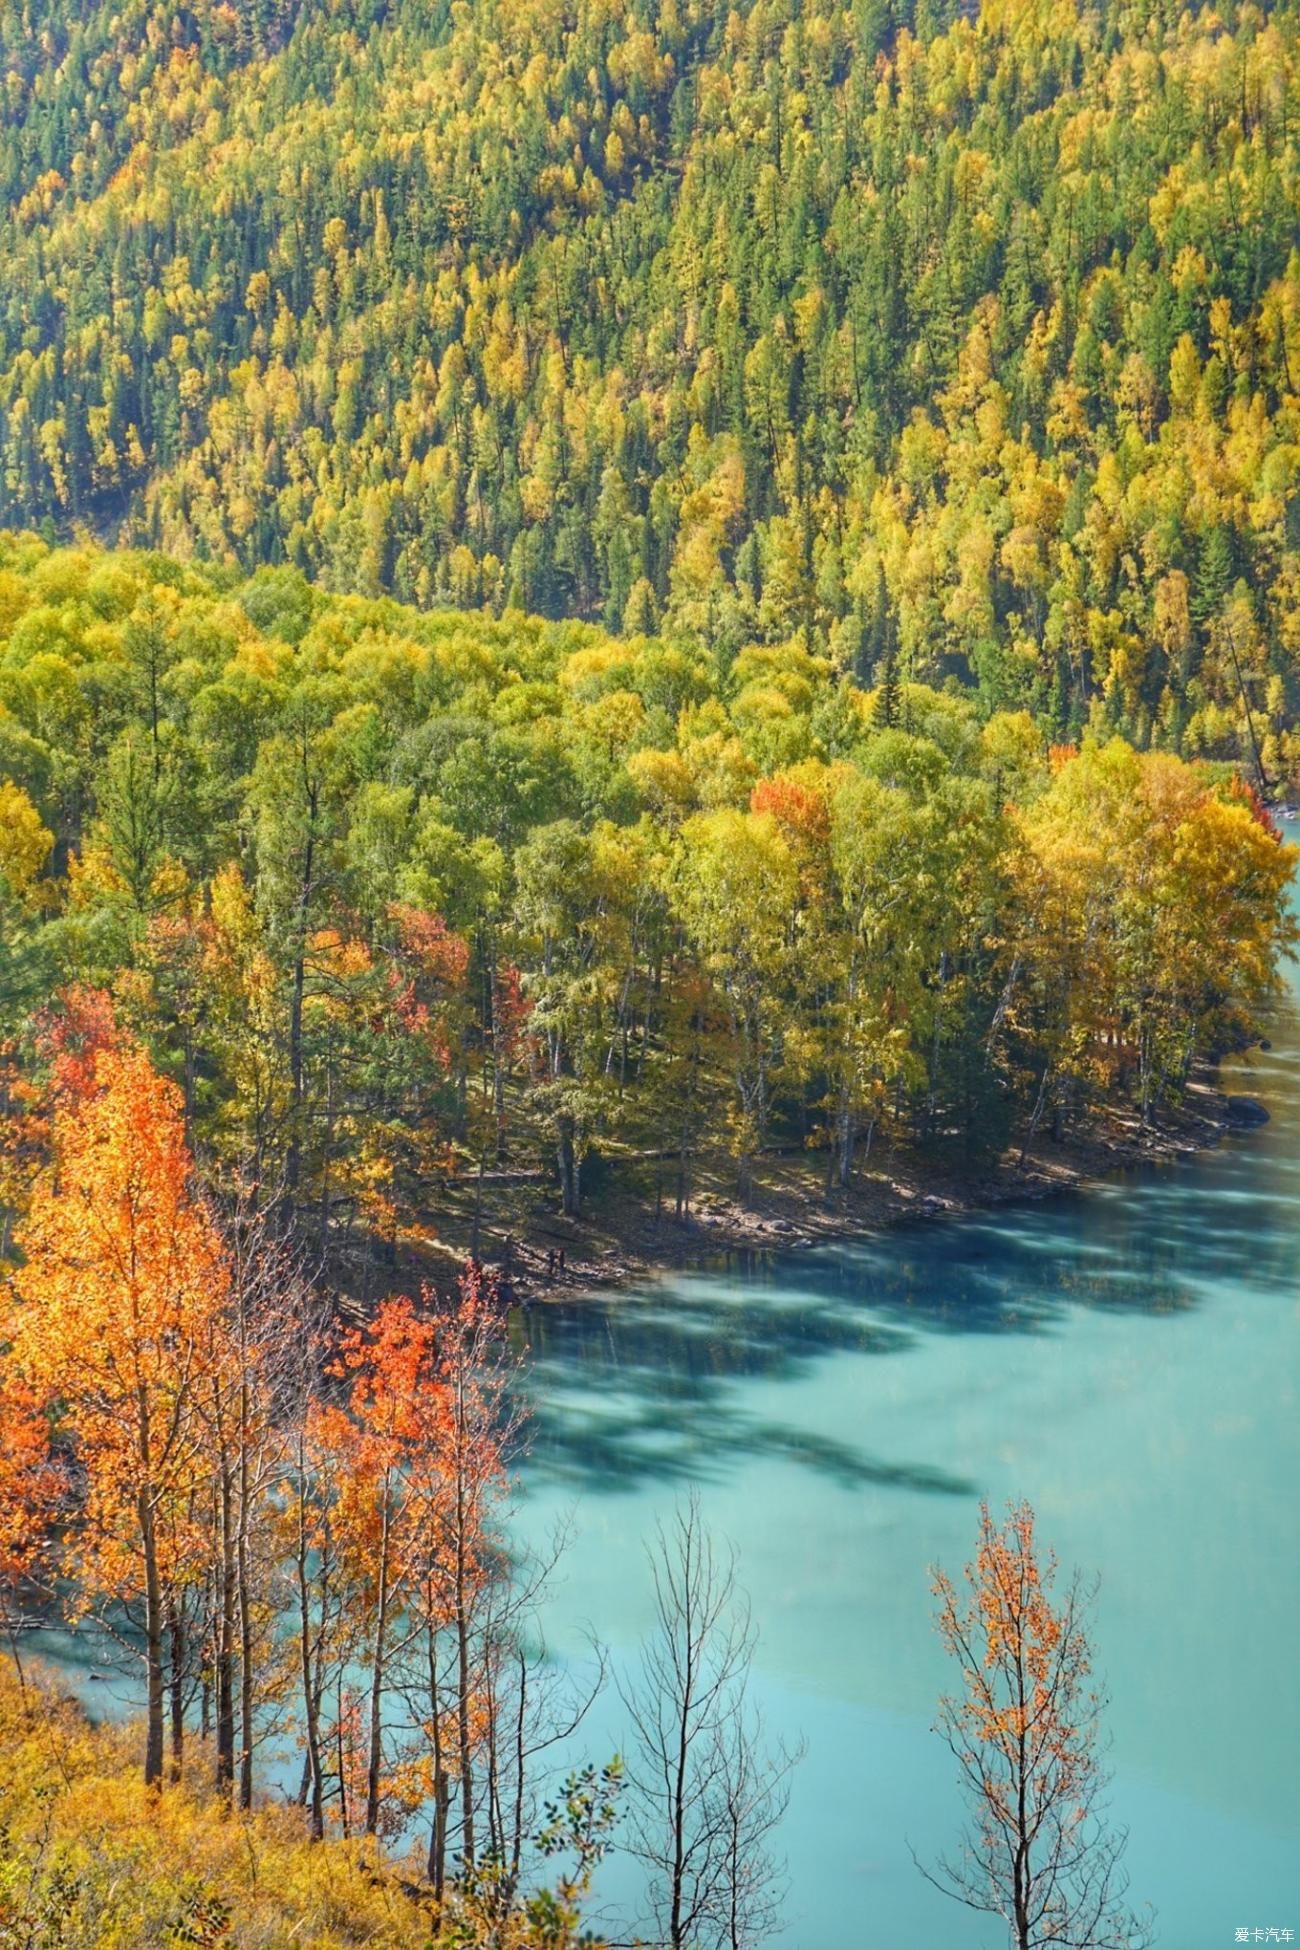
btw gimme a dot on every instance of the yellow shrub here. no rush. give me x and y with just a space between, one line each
87 1855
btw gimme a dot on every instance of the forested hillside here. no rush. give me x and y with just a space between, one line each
942 345
398 896
614 620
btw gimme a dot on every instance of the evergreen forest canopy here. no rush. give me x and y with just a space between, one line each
943 346
396 895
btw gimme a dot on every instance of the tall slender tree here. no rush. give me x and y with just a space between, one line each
1026 1733
120 1296
705 1791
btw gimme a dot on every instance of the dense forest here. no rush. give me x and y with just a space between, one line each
938 341
593 601
398 897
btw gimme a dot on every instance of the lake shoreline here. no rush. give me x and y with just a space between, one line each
626 1238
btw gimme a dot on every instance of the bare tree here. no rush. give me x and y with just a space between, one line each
319 1645
705 1793
271 1336
1026 1732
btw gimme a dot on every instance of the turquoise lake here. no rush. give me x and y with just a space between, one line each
1129 1360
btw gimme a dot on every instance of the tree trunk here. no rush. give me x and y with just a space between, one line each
293 1161
1036 1118
476 1226
340 1760
684 1158
374 1767
1023 1878
245 1628
848 1139
521 1717
153 1642
438 1837
679 1799
176 1641
310 1698
932 1079
463 1675
437 1865
570 1171
225 1648
498 1063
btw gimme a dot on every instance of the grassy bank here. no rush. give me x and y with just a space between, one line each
89 1857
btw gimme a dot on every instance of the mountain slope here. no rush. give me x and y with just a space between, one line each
969 346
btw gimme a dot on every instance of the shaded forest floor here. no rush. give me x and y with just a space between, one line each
629 1232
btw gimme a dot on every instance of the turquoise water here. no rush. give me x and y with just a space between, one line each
1129 1360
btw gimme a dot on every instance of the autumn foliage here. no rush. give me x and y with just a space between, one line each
294 1523
120 1295
403 1469
31 1482
1026 1732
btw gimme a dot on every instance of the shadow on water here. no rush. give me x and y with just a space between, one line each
649 1388
667 1384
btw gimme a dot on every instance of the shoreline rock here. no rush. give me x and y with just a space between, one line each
1245 1113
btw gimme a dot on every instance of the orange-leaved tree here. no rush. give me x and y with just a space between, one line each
1026 1734
392 1425
120 1296
396 1487
459 1573
348 1514
31 1484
